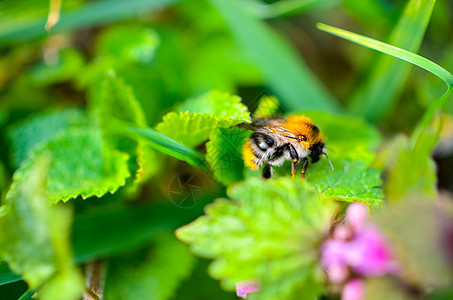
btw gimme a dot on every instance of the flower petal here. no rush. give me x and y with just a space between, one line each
354 290
246 287
356 214
369 253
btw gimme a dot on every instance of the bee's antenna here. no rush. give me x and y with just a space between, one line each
333 170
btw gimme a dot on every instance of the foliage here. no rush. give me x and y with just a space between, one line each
120 106
268 233
35 238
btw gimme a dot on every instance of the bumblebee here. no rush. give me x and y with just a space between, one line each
275 141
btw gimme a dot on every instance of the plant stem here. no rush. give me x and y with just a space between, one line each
95 279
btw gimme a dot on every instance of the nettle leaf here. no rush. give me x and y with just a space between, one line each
223 153
79 165
25 135
35 238
153 273
189 129
269 232
352 181
116 101
228 109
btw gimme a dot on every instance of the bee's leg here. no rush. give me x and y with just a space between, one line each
267 171
295 159
294 168
304 167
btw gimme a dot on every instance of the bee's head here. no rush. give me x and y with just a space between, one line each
316 151
305 131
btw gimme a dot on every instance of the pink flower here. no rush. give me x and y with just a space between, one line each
356 215
246 287
358 247
369 253
353 290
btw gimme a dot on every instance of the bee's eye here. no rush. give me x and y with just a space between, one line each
302 138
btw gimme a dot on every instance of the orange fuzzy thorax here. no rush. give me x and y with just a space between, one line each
302 125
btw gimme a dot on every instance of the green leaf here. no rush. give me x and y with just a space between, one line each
79 166
386 79
223 153
35 238
126 42
352 181
189 129
391 50
198 117
268 106
115 101
280 66
228 109
154 274
269 232
27 134
130 228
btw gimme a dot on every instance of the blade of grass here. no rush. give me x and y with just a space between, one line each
90 14
429 116
160 142
427 120
282 70
385 81
28 295
408 56
6 275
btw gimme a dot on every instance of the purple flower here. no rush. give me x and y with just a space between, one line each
369 253
246 287
353 290
358 247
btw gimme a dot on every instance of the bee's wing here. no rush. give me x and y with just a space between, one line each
269 126
264 124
